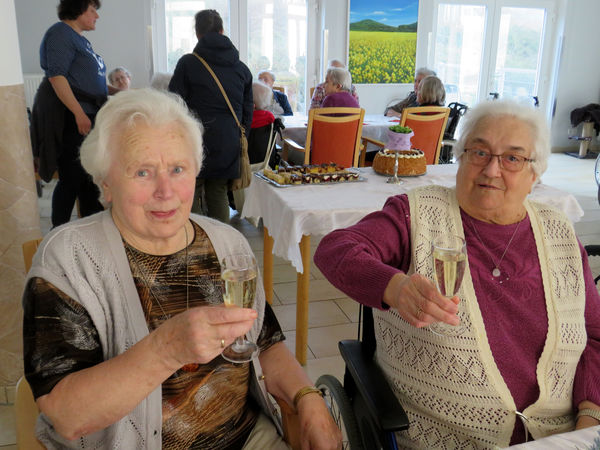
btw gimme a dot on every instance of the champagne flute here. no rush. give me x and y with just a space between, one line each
239 272
449 255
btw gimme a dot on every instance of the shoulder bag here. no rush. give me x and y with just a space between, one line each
245 173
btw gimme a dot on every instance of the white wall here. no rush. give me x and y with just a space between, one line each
121 35
579 73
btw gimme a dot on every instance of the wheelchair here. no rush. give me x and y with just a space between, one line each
365 407
594 250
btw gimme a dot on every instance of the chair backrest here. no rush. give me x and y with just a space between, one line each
333 135
279 88
26 413
312 91
29 249
428 123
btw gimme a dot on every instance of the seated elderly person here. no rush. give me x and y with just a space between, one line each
319 93
431 92
262 95
124 320
411 98
338 84
519 351
120 78
280 105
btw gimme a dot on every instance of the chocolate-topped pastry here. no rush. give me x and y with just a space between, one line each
317 178
312 168
326 177
295 178
332 167
298 169
352 176
335 177
343 176
306 178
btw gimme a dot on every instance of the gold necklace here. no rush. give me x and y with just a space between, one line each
496 271
187 367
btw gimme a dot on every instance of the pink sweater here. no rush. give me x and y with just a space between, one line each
360 260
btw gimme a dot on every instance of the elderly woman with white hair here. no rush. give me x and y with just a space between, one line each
517 349
319 93
280 104
124 321
120 78
338 83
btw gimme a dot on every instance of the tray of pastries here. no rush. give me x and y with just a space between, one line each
302 175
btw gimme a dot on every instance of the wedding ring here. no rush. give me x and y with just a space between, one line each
419 313
222 343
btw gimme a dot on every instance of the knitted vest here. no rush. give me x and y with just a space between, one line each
86 260
450 386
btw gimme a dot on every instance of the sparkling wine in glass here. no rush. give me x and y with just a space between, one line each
449 261
239 273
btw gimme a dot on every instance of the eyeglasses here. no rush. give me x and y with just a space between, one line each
507 161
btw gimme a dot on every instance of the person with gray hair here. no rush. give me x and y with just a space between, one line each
280 105
120 78
160 81
431 92
125 325
527 304
411 99
338 85
319 93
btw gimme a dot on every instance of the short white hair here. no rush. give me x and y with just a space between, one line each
519 111
340 76
160 81
267 72
262 95
124 112
336 63
116 70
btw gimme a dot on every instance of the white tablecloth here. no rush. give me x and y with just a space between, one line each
317 210
587 438
374 126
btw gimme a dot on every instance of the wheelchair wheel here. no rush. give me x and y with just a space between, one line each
339 406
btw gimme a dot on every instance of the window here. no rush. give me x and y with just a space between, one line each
494 48
275 34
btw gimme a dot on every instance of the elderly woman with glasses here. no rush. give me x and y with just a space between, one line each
519 351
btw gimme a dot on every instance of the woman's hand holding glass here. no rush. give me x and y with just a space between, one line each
419 302
198 335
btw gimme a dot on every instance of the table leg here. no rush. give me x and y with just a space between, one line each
268 265
302 302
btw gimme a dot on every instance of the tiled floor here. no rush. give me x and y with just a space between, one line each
333 316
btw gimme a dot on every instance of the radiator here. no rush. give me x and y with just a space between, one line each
31 81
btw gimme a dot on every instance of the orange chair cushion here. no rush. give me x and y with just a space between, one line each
333 142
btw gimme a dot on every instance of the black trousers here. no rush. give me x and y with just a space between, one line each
73 181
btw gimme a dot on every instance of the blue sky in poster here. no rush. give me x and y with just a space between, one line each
393 13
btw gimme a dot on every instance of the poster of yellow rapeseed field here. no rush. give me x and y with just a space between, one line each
383 41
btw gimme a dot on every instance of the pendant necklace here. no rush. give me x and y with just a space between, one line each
496 272
187 367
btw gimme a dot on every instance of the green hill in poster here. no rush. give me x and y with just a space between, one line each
373 25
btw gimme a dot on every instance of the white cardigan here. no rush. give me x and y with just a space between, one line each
86 260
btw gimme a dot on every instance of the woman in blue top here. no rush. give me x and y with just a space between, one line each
67 102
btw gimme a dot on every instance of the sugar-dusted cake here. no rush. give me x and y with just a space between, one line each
410 162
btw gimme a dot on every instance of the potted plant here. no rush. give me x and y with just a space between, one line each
399 137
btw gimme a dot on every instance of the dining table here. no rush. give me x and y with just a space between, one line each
292 214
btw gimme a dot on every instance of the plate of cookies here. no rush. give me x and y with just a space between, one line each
309 174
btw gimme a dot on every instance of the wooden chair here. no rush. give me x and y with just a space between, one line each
428 123
333 135
312 91
26 413
279 88
26 410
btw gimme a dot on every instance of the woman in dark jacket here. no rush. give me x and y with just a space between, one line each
192 81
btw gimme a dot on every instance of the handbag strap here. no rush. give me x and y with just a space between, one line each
222 90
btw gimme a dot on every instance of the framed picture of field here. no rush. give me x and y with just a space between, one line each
383 41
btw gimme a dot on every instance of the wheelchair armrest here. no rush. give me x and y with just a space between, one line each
592 250
382 403
367 140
